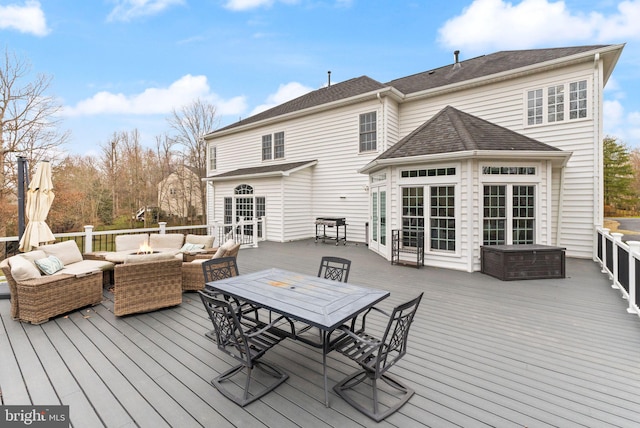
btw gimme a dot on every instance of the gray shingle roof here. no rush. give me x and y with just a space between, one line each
452 130
335 92
482 66
282 168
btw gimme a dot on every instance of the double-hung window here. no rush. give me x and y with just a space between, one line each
557 103
273 146
368 132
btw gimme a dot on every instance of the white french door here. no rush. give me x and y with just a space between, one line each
378 225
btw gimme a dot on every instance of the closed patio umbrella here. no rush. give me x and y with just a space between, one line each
39 199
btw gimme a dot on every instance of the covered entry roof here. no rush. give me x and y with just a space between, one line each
282 170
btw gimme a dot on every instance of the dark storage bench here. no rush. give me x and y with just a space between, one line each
511 262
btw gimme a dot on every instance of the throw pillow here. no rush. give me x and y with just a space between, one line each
49 265
188 247
23 269
224 248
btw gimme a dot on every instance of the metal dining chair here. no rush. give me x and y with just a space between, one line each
247 344
375 357
215 270
334 268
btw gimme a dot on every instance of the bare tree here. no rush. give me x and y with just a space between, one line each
190 124
29 125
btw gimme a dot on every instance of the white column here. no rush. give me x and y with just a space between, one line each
88 239
603 250
163 227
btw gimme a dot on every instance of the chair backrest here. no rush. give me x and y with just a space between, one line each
396 334
220 268
229 333
335 268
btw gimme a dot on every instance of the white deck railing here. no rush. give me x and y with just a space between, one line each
246 232
621 262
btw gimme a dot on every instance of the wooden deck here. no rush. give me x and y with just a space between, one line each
483 352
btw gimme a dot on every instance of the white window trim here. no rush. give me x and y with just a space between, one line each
215 159
427 183
510 181
545 95
273 146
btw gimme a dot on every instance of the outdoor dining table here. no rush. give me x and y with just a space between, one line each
313 301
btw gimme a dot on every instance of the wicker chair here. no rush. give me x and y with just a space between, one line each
36 300
192 274
147 286
247 343
375 357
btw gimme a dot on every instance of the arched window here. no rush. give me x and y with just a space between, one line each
243 189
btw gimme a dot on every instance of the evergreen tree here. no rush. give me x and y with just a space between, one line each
618 175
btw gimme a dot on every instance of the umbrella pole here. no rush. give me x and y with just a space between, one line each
23 182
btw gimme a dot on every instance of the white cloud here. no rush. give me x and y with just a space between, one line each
241 5
126 10
157 100
613 114
285 93
26 19
532 23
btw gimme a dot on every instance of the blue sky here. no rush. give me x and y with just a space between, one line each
119 65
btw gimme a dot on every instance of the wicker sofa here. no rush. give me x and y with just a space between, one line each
36 297
145 283
192 275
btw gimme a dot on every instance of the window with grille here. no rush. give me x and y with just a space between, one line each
495 215
534 107
412 215
368 132
523 214
509 204
266 147
442 218
558 103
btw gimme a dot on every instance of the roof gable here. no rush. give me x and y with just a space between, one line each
452 130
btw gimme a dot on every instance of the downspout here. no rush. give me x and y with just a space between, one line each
559 227
598 184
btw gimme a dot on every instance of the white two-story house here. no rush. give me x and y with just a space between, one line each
504 148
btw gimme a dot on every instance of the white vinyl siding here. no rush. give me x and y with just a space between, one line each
502 104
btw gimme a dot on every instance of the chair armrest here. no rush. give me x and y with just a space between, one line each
361 340
48 279
363 321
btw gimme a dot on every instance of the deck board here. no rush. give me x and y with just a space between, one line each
536 353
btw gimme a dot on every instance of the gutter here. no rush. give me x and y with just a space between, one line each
558 158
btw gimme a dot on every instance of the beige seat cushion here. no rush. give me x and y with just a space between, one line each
131 242
67 251
168 240
145 258
206 240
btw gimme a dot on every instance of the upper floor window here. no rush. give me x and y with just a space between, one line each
550 104
273 146
212 157
368 132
